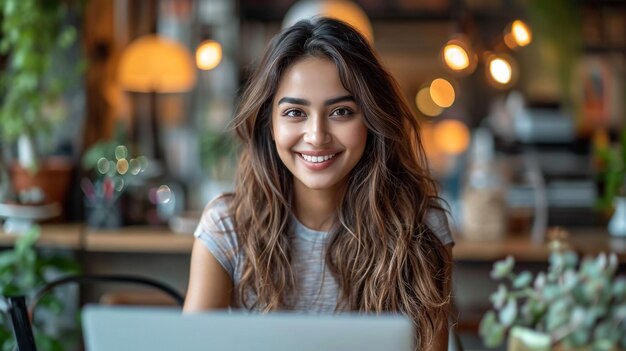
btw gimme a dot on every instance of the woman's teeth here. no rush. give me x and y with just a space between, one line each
317 159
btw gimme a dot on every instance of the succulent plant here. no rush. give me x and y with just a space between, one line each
575 303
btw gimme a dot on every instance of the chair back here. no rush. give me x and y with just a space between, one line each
21 315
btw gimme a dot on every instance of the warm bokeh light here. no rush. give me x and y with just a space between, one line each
442 92
451 136
103 165
344 10
119 184
208 55
122 166
134 166
156 64
501 70
143 163
456 57
164 194
425 103
121 152
521 32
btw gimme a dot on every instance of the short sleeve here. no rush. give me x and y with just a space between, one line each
437 221
215 230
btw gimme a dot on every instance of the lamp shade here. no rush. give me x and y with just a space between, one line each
156 64
343 10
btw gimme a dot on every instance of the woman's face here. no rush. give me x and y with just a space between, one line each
317 125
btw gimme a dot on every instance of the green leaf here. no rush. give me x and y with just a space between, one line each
522 280
48 343
540 281
499 297
487 323
67 37
7 258
528 339
558 314
491 332
9 345
52 303
578 338
508 314
495 337
62 264
532 311
503 268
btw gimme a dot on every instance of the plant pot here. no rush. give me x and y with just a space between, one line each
53 177
525 339
617 224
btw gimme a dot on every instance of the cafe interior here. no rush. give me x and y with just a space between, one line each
114 135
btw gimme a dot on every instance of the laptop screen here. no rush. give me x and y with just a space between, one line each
156 328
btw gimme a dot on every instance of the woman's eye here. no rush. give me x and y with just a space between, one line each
293 113
342 112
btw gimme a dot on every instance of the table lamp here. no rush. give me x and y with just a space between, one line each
153 64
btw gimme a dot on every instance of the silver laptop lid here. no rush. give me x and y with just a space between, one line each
116 328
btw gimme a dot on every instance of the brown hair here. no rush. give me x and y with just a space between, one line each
381 253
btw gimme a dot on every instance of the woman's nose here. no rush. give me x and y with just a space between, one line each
316 133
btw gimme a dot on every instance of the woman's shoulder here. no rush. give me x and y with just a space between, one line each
217 212
437 221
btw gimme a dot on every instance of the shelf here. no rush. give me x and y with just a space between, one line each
138 240
162 241
585 241
67 236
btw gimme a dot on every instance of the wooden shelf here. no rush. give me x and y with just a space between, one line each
585 241
137 239
67 236
161 240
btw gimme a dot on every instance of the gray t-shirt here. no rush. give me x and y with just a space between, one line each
316 288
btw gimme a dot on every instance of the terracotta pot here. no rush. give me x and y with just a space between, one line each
53 177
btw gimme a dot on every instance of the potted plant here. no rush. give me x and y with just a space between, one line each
33 35
611 165
23 270
218 151
572 305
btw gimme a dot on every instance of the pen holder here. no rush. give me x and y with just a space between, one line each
106 215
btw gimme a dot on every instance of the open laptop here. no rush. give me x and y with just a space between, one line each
108 328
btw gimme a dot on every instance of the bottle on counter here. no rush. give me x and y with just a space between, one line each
483 197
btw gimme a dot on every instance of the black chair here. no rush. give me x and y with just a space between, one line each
21 315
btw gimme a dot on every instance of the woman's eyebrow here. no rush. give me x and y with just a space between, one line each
339 99
296 101
304 102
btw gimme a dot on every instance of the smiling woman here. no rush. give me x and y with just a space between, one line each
318 130
334 209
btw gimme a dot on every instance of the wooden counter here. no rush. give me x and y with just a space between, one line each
589 241
162 240
67 236
137 239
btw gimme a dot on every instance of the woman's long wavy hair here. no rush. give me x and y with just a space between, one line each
381 253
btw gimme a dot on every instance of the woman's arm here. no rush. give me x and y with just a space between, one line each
210 286
441 339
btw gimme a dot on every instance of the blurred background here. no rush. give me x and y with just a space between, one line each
512 95
113 112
